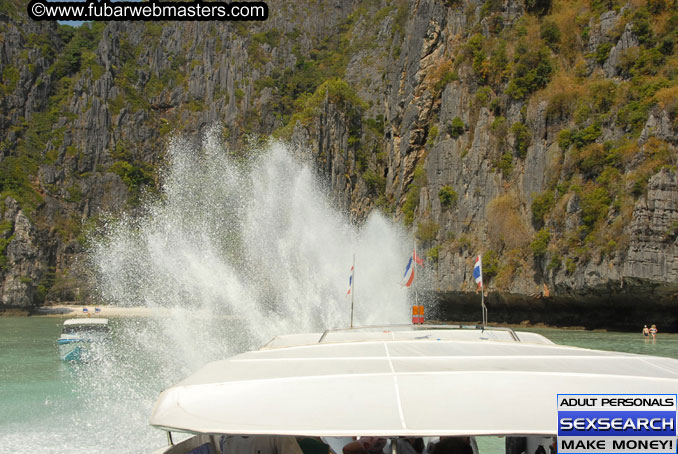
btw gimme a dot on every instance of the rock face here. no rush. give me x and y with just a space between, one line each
419 108
26 255
653 253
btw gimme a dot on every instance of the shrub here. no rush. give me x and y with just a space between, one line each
560 106
496 24
522 138
490 264
633 116
602 52
456 127
595 203
550 33
463 242
15 181
538 7
443 75
532 71
506 227
656 6
555 263
490 6
374 181
434 253
376 124
672 232
264 82
270 37
432 134
475 52
134 176
648 63
338 91
641 27
239 94
84 38
498 126
483 96
596 158
540 242
498 65
427 230
541 205
448 197
570 266
602 95
586 136
410 204
638 187
10 78
505 164
564 139
412 196
496 107
5 239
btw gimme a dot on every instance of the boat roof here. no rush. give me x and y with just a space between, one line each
86 321
405 332
417 382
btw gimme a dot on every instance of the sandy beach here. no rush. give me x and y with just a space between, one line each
75 311
104 311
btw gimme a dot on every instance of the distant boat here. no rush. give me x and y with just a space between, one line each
79 335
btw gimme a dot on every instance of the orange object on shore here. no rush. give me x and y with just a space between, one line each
417 314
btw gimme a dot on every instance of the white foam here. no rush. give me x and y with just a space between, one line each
235 251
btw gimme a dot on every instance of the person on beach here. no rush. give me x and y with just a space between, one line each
646 332
653 331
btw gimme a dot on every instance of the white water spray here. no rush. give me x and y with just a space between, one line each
254 244
231 253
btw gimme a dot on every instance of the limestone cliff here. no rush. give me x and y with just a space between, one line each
539 134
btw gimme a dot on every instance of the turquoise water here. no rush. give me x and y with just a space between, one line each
49 406
33 378
665 345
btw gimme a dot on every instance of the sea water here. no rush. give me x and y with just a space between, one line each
50 406
230 252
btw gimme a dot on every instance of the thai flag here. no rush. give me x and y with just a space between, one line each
478 272
84 309
408 277
350 282
418 260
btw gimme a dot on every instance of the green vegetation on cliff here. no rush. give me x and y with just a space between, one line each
598 71
482 89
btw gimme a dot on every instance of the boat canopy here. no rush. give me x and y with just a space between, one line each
402 383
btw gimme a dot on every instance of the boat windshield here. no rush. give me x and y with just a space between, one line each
81 329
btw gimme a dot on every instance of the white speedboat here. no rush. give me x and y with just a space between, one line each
399 381
80 336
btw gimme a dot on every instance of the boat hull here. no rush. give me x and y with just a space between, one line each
73 349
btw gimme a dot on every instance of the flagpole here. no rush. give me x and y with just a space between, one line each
482 305
416 294
482 294
352 292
